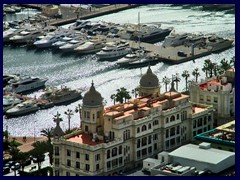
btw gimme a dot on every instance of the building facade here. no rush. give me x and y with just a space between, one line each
117 138
219 92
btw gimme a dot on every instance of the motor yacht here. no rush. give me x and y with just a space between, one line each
114 50
89 47
25 84
26 36
50 39
24 108
60 96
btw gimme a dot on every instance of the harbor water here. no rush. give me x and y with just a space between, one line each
77 71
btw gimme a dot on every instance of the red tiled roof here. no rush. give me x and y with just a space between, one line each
84 139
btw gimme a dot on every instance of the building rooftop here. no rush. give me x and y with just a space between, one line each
224 134
193 152
84 138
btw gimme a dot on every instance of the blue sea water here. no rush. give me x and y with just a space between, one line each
79 71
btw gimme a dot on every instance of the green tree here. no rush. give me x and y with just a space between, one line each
40 147
113 97
14 152
48 132
165 81
122 95
196 73
186 75
208 68
22 157
225 65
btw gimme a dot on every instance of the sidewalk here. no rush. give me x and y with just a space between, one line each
27 146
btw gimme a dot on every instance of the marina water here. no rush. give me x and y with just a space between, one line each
77 71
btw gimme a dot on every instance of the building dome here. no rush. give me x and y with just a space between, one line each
149 79
92 97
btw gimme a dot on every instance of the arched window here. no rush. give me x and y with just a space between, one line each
167 120
172 118
144 128
149 126
138 130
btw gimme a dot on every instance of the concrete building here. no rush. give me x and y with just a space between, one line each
190 160
203 157
219 92
117 138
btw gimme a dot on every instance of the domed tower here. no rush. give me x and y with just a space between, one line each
92 111
149 84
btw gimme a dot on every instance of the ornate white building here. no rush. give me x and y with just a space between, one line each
119 137
219 92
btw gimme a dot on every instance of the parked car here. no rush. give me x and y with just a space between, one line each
16 166
6 170
182 54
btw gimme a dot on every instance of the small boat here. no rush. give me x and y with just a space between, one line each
61 96
24 84
24 108
124 61
142 63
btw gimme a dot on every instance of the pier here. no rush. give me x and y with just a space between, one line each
170 54
71 14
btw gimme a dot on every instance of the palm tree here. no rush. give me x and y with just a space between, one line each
225 65
69 113
196 73
166 81
113 97
48 132
206 67
177 79
122 95
78 109
232 62
186 75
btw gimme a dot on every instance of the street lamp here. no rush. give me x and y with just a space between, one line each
69 113
78 109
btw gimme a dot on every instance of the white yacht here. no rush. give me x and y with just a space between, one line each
23 108
25 83
114 50
175 39
50 39
71 45
61 96
89 47
9 101
26 35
